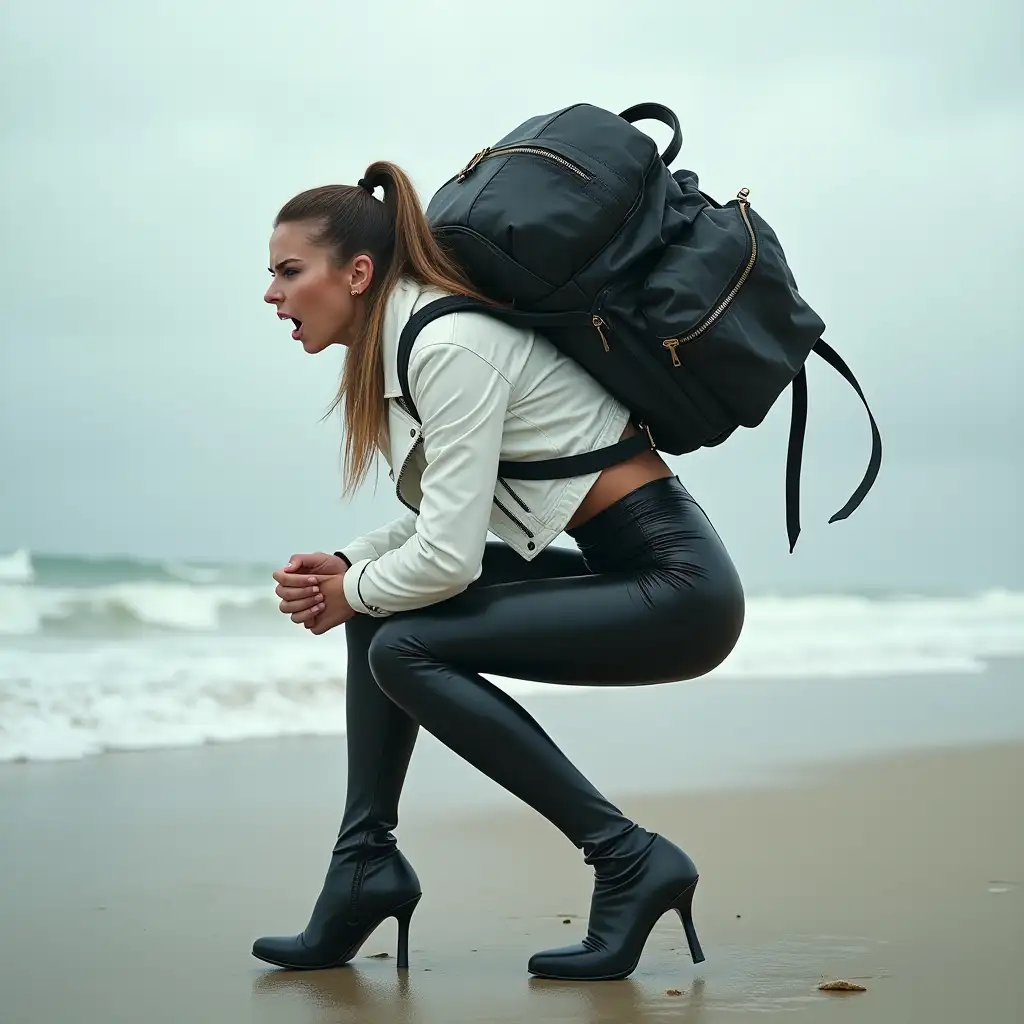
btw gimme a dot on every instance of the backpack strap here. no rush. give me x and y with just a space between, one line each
797 429
463 304
577 465
540 469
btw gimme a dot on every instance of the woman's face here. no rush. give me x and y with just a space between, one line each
325 301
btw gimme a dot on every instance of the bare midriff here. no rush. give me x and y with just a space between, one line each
617 481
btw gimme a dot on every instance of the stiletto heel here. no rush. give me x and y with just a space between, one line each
403 915
683 907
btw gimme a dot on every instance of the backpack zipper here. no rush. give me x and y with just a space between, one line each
673 343
600 324
487 151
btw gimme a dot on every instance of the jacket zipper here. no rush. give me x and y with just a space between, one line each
522 526
519 501
515 497
398 478
673 343
487 151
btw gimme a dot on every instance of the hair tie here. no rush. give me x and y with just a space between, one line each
366 184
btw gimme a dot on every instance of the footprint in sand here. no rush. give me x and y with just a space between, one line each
997 886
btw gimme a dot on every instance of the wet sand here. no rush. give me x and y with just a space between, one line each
134 884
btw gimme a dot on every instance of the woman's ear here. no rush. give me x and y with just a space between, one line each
360 274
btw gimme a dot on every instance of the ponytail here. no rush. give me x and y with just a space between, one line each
396 235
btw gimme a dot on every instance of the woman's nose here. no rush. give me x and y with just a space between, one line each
273 295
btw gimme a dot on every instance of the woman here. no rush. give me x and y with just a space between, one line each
429 603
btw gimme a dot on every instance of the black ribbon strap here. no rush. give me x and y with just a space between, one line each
797 429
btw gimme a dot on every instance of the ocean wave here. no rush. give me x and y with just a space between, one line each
67 702
53 570
74 693
17 567
129 608
57 595
194 573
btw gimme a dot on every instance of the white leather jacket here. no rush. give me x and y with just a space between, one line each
485 392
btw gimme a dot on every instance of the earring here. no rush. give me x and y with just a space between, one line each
355 291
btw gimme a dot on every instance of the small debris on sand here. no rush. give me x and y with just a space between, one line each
379 956
566 920
673 992
839 985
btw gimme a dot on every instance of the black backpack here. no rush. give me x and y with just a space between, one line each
683 308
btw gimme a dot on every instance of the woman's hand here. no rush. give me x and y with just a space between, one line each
316 563
300 595
317 601
334 607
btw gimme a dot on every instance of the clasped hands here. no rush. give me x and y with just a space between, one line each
311 591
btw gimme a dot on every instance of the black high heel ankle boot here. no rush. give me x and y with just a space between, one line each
360 892
631 891
368 879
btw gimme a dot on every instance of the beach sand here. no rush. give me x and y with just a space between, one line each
134 884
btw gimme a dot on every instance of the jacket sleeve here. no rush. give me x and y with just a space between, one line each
462 401
376 542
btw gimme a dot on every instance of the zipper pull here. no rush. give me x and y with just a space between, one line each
601 325
471 166
671 344
744 196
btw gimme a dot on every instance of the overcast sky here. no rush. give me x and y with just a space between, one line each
150 404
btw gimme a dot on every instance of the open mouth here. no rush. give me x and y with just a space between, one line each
297 332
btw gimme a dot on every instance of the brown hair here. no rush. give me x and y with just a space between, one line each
396 235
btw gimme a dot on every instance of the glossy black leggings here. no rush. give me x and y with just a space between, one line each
650 596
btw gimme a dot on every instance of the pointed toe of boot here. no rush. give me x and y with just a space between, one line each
286 951
571 963
582 962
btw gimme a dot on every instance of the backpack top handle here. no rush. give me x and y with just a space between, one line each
658 112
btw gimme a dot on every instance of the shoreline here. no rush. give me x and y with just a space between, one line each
143 881
727 729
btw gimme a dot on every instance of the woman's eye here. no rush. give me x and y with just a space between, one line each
289 272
